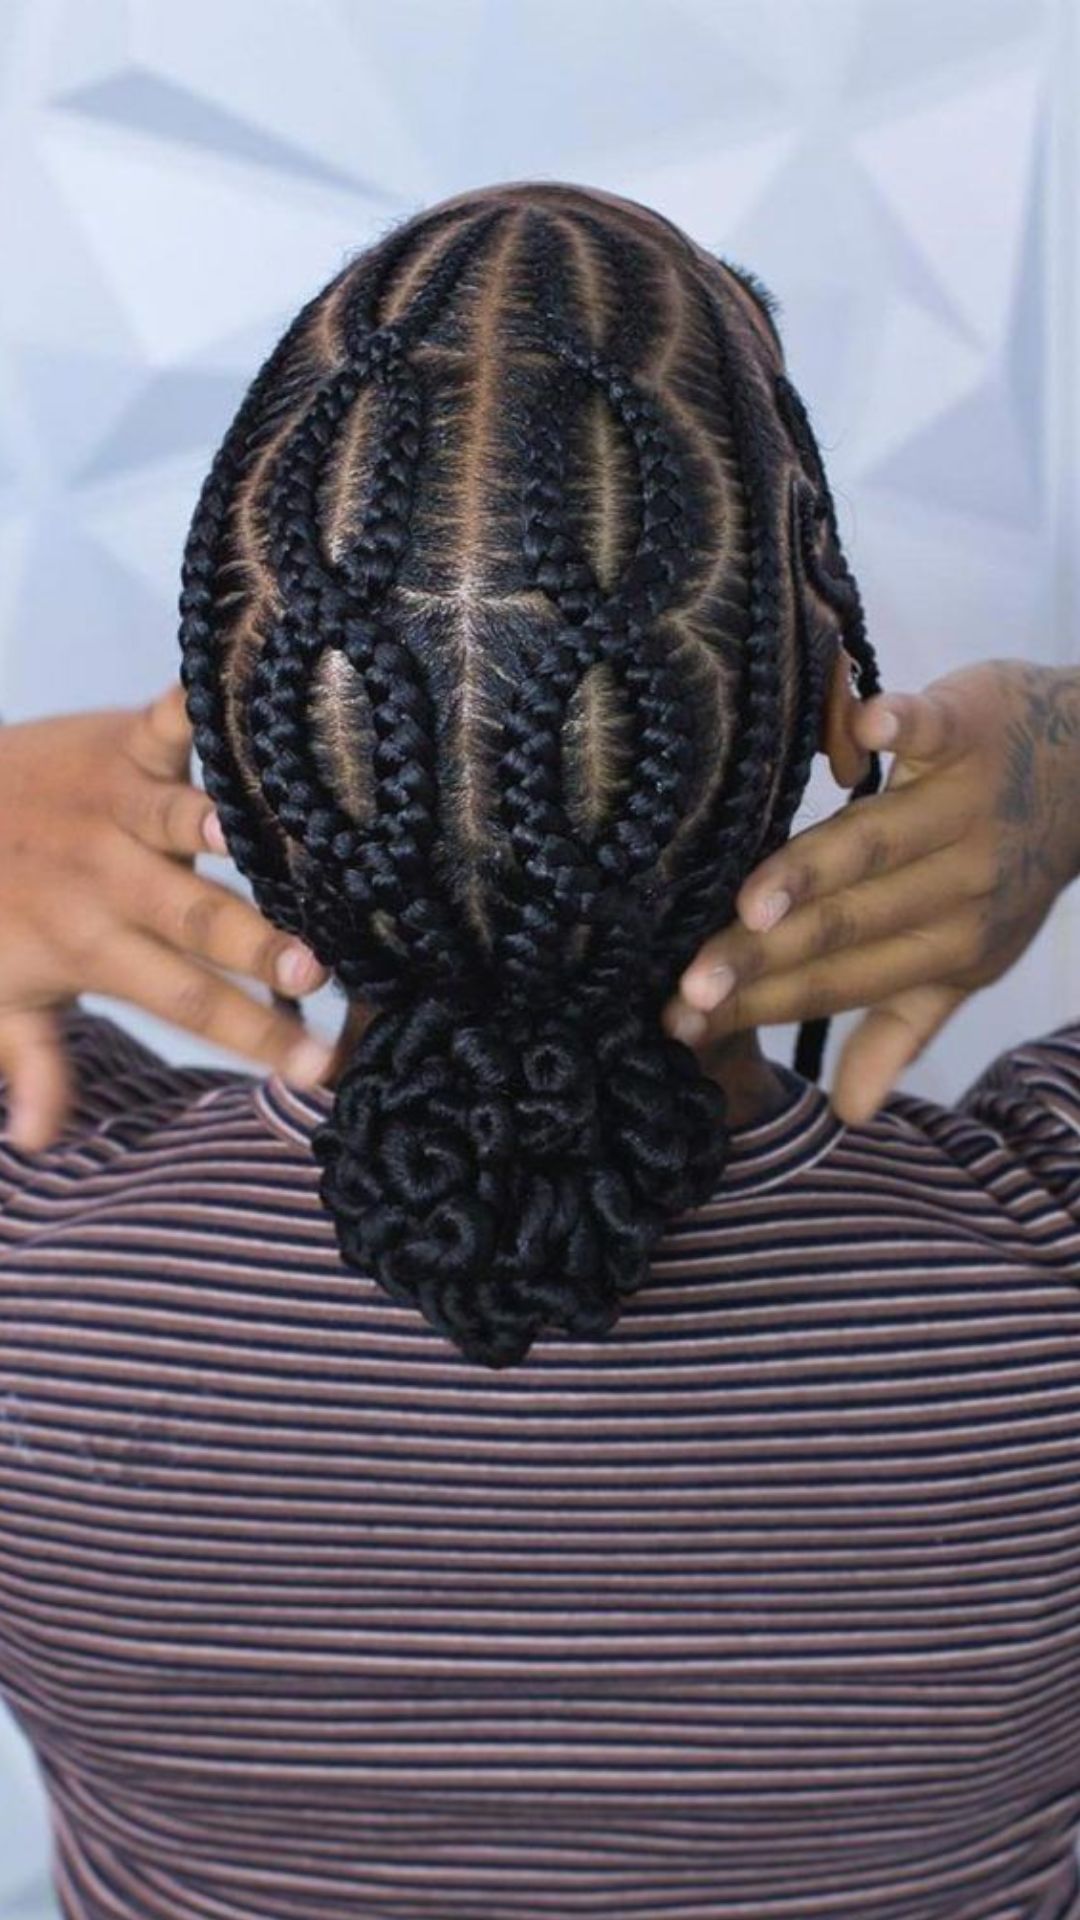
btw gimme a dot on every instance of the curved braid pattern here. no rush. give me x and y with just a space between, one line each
570 881
285 377
262 861
726 842
385 868
495 469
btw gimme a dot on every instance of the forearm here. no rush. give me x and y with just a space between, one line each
1038 799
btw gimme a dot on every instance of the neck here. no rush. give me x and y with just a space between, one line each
751 1085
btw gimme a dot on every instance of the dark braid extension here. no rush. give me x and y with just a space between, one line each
826 568
524 498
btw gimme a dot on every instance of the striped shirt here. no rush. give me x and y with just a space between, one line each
763 1607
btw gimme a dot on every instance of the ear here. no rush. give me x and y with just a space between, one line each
849 762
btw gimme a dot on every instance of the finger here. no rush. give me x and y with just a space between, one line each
922 893
178 989
159 740
168 816
203 919
866 837
929 727
860 977
35 1065
884 1043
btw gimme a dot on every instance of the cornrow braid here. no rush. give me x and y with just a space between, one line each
385 867
502 633
731 836
283 381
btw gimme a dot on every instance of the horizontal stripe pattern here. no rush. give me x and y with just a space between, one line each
764 1607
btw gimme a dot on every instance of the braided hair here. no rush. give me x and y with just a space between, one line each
507 611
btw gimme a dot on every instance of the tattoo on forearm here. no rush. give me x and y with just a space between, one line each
1039 796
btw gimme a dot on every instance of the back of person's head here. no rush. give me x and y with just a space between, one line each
507 611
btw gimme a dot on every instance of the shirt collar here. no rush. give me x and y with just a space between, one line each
292 1112
790 1140
762 1154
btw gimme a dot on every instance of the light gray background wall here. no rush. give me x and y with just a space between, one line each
177 179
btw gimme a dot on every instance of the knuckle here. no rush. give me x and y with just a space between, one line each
983 871
733 1014
947 722
171 816
271 1037
872 849
729 1016
141 814
265 953
801 878
197 921
835 924
876 851
84 937
194 1003
749 963
817 993
985 935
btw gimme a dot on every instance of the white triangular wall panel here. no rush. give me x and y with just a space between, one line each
804 47
712 192
969 460
940 592
564 87
919 369
72 402
904 48
86 43
56 293
300 68
142 519
199 249
939 169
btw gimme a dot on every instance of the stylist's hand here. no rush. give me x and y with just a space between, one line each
906 902
99 828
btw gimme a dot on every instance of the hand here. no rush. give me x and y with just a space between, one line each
908 901
99 828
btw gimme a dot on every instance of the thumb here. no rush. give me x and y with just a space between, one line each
924 727
160 736
34 1063
886 1041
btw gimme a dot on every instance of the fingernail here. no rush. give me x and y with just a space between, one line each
687 1026
294 965
773 908
213 835
714 986
307 1063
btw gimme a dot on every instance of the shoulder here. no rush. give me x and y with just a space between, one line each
1019 1122
115 1072
121 1092
1043 1072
